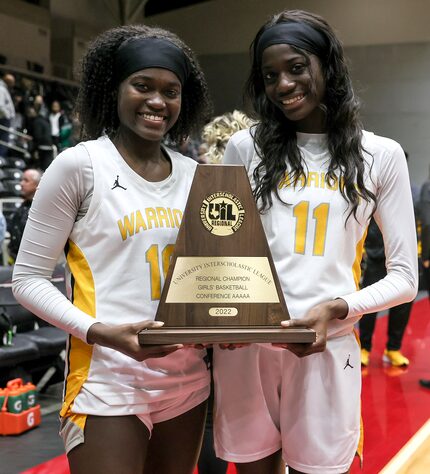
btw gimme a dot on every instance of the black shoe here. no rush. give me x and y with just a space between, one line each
425 383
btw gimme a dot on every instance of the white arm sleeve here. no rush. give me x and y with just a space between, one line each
58 201
395 218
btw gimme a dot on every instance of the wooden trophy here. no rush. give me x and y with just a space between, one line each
222 286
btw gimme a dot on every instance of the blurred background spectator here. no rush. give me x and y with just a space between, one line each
218 131
40 129
56 120
424 210
29 182
40 106
7 110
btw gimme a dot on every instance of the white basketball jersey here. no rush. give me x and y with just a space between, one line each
118 256
316 250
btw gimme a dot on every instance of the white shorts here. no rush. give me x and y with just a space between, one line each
73 427
266 400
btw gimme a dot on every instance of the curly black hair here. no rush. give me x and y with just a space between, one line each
96 105
275 135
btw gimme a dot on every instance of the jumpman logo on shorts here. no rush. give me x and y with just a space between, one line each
347 363
117 185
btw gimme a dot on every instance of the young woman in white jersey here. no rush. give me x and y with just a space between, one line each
317 178
115 202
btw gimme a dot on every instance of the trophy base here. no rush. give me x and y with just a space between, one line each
225 335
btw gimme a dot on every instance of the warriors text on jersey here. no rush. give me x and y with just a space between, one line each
117 256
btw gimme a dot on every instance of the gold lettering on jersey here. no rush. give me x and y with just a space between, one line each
148 218
332 184
177 215
140 223
172 221
151 217
301 181
313 179
126 226
163 217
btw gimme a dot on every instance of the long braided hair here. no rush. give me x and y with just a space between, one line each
96 105
275 136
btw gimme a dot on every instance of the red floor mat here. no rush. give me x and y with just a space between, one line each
59 465
394 405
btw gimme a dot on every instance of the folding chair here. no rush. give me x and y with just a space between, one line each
49 341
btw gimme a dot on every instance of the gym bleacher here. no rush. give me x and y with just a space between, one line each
30 348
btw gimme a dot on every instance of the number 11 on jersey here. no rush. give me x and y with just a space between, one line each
320 215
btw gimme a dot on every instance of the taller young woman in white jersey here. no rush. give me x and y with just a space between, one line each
317 178
115 202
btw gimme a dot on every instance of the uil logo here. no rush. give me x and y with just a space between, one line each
222 213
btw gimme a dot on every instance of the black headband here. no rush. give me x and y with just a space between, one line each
141 53
302 35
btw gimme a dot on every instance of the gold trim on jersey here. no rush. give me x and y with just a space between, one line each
360 447
79 420
80 353
356 267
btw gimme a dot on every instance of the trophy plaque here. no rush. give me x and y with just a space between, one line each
222 286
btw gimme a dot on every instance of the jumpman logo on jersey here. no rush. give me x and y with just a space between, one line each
347 363
117 185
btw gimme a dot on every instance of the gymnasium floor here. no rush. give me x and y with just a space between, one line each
396 414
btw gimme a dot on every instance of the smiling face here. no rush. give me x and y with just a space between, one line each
149 104
295 85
